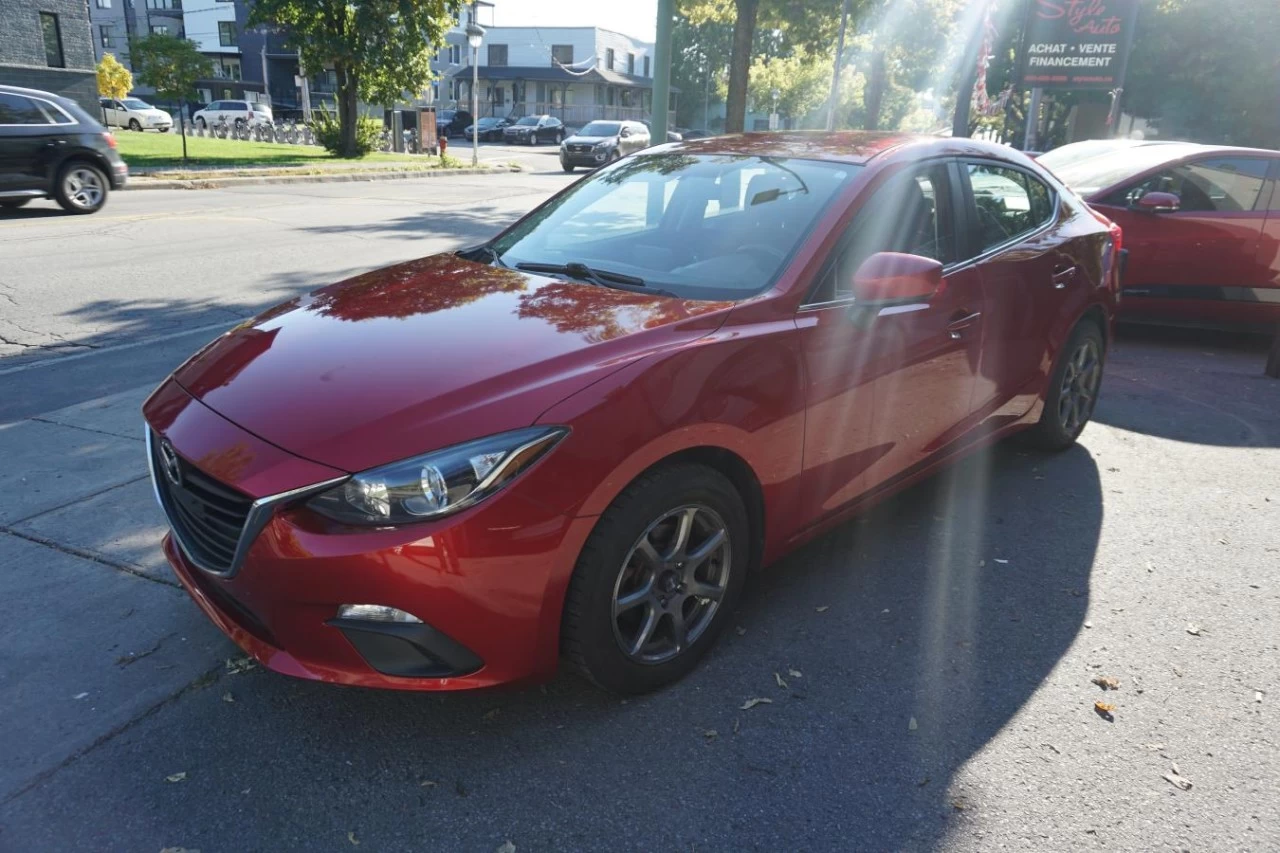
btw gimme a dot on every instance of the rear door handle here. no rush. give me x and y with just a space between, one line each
1063 275
961 321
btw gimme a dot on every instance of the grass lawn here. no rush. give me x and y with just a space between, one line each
165 149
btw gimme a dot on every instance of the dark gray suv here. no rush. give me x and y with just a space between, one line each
602 142
51 148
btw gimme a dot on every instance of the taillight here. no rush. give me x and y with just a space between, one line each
111 140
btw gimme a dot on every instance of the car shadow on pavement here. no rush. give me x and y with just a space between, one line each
463 222
859 676
1197 386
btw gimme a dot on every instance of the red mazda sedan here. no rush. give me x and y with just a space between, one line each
1201 225
577 440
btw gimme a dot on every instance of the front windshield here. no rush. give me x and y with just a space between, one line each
135 104
489 121
700 226
527 120
1096 173
601 128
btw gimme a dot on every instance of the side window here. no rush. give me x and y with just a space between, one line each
1220 185
911 213
1009 202
18 110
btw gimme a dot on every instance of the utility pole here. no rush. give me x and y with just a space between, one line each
266 79
306 90
1030 138
662 72
834 100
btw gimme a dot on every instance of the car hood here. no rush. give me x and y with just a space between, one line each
590 140
426 354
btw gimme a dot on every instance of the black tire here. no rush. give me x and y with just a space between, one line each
135 126
81 187
1073 389
567 168
12 203
559 136
591 639
202 124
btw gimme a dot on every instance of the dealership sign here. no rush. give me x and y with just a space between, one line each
1077 44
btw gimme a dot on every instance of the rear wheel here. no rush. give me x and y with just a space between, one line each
81 187
657 579
134 125
1073 389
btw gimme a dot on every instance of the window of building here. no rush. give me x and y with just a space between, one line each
228 68
631 64
160 29
104 4
52 40
562 53
107 34
165 5
498 55
608 59
227 33
646 65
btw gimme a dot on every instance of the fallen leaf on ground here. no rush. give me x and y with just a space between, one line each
823 609
1088 624
492 714
1104 710
741 631
998 560
1054 748
351 836
427 783
751 703
1106 682
711 734
79 695
176 777
912 725
959 804
239 665
736 724
795 673
781 681
1175 778
227 697
506 847
923 782
1155 747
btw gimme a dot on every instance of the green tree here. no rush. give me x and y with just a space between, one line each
378 49
171 66
699 57
801 80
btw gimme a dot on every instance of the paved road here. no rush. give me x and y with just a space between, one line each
978 606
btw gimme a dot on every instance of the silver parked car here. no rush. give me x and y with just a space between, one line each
135 114
602 142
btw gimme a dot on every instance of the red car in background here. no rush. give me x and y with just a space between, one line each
578 439
1201 224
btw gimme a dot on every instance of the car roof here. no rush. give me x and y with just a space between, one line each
34 93
846 146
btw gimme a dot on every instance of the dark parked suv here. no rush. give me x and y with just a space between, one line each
51 148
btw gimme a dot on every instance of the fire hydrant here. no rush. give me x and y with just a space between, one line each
443 143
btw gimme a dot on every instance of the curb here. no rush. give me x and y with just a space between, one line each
211 183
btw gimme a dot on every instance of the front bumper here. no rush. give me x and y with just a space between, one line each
488 583
591 158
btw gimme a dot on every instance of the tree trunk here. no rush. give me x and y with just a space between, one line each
348 110
873 94
744 33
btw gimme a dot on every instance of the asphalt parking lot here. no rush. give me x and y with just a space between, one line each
928 668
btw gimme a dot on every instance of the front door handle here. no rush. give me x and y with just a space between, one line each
961 321
1063 275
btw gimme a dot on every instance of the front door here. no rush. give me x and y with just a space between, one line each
885 392
1201 262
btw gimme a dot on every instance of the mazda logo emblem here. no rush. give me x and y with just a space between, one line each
169 460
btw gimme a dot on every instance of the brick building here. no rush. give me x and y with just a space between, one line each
46 44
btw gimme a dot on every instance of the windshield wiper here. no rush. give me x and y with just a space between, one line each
483 251
578 270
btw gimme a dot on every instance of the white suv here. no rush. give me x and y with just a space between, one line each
134 114
249 112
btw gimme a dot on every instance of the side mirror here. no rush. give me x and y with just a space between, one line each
893 278
625 132
1158 202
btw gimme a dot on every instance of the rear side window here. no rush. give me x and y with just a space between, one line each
15 109
1008 202
1220 185
52 114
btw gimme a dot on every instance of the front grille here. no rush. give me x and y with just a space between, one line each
580 149
207 516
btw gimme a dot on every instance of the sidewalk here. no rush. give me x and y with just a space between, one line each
213 177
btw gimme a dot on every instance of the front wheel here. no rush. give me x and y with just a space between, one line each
81 188
657 579
1073 389
567 168
134 125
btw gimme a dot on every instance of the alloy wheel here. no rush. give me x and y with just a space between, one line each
671 584
83 186
1079 390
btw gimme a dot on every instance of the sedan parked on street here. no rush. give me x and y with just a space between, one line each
51 148
490 129
134 114
578 439
602 142
534 130
1201 227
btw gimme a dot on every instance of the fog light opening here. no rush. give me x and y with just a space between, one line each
376 613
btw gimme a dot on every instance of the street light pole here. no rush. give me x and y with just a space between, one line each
475 35
661 98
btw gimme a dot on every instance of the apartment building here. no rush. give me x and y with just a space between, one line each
46 44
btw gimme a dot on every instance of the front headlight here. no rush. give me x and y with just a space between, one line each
437 483
601 146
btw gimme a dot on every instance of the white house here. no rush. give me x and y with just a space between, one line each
574 73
